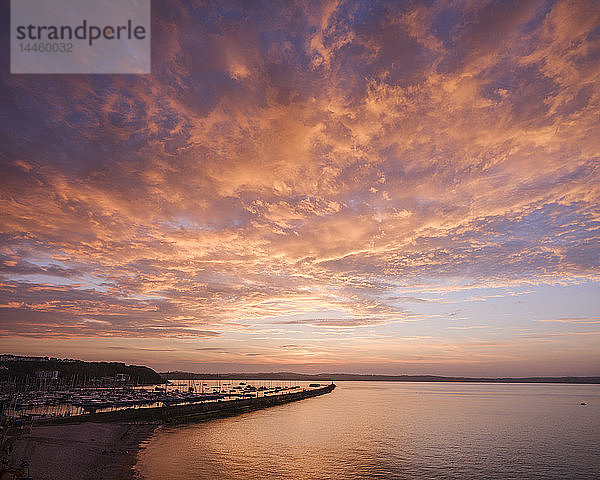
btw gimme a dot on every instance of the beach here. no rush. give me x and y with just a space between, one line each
81 451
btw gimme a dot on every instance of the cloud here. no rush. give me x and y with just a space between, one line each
48 310
582 321
301 159
469 327
334 322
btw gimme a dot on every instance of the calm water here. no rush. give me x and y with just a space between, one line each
394 430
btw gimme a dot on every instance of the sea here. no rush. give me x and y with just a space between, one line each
394 430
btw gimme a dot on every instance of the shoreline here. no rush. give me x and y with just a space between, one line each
82 451
105 445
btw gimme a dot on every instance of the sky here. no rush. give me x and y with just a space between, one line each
360 187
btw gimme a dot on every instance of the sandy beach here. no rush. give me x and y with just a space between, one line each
82 451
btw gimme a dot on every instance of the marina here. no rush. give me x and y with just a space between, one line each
79 403
110 423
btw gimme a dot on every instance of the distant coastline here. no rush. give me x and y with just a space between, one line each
69 372
340 377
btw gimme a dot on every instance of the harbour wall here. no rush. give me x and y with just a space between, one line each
191 412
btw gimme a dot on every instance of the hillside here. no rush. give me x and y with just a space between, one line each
73 372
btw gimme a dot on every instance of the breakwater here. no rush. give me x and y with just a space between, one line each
192 412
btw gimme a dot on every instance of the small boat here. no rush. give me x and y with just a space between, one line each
583 403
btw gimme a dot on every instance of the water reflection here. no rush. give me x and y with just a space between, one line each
394 430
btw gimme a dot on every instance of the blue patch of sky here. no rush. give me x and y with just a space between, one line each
510 308
85 280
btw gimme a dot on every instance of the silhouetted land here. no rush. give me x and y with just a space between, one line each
327 377
67 372
78 372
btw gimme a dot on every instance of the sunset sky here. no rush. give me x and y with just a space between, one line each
361 187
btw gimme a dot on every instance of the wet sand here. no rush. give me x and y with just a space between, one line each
82 451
